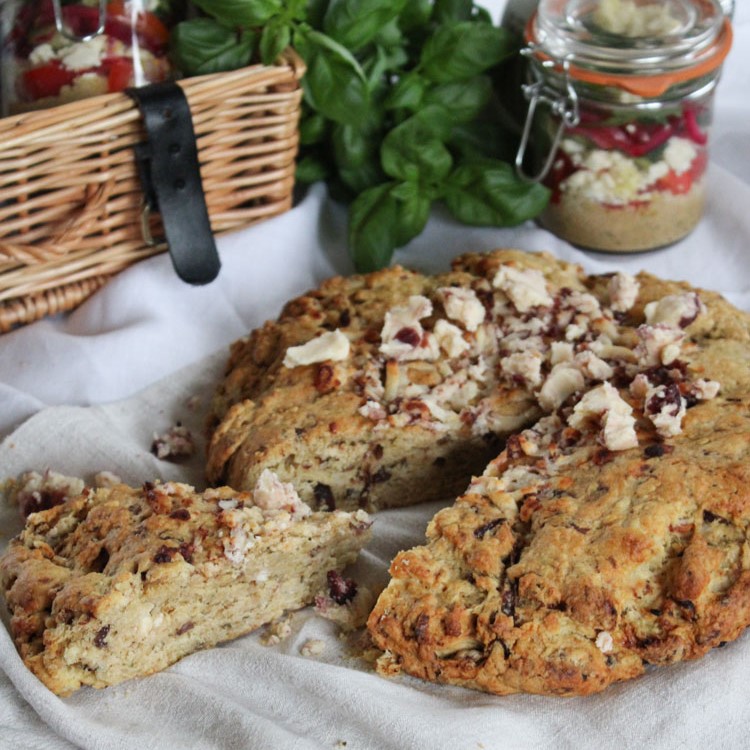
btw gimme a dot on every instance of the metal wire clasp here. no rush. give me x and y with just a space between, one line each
63 29
562 105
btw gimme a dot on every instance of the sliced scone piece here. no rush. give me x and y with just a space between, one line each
610 536
393 388
121 582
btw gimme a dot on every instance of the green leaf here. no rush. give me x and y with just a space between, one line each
488 193
274 39
202 46
416 13
463 101
453 10
381 219
355 23
334 84
480 139
355 153
311 168
313 128
463 49
241 12
415 150
407 93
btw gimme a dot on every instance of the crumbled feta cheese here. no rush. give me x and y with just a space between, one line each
659 344
583 303
575 331
604 405
593 367
270 493
674 310
82 55
604 642
373 410
462 305
450 338
665 407
526 288
563 380
560 351
526 366
623 291
704 390
332 345
41 54
679 154
402 335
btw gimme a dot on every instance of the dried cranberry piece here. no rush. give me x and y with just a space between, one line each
480 531
670 399
323 495
408 336
100 639
340 589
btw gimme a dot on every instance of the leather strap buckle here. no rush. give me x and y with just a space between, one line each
170 177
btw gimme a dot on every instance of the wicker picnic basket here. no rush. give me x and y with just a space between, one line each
70 197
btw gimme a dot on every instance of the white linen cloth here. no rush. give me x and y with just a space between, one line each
86 391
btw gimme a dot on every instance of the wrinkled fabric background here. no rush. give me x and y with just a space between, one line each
87 391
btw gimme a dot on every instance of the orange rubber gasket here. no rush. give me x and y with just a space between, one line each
651 86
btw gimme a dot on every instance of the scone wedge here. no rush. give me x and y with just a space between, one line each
121 582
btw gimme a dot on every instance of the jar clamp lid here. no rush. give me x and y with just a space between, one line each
576 46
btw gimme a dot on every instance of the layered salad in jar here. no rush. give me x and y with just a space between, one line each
626 183
50 67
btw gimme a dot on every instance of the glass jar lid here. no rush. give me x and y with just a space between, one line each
643 46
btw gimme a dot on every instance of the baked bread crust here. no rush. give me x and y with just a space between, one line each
122 582
567 566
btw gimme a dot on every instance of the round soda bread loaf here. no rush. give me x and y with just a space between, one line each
609 534
121 582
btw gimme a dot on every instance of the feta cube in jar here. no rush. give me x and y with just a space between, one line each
620 104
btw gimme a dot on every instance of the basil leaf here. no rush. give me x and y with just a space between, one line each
482 139
274 39
313 128
453 10
488 193
381 219
355 153
463 49
334 84
355 23
407 93
463 101
416 14
414 150
203 45
241 12
311 169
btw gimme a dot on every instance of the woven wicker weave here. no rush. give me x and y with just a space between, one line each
71 202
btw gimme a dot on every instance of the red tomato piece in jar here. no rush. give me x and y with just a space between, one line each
119 73
47 80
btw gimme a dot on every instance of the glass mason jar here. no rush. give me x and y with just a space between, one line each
58 51
620 106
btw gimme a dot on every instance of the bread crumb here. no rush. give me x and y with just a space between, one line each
312 647
277 631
